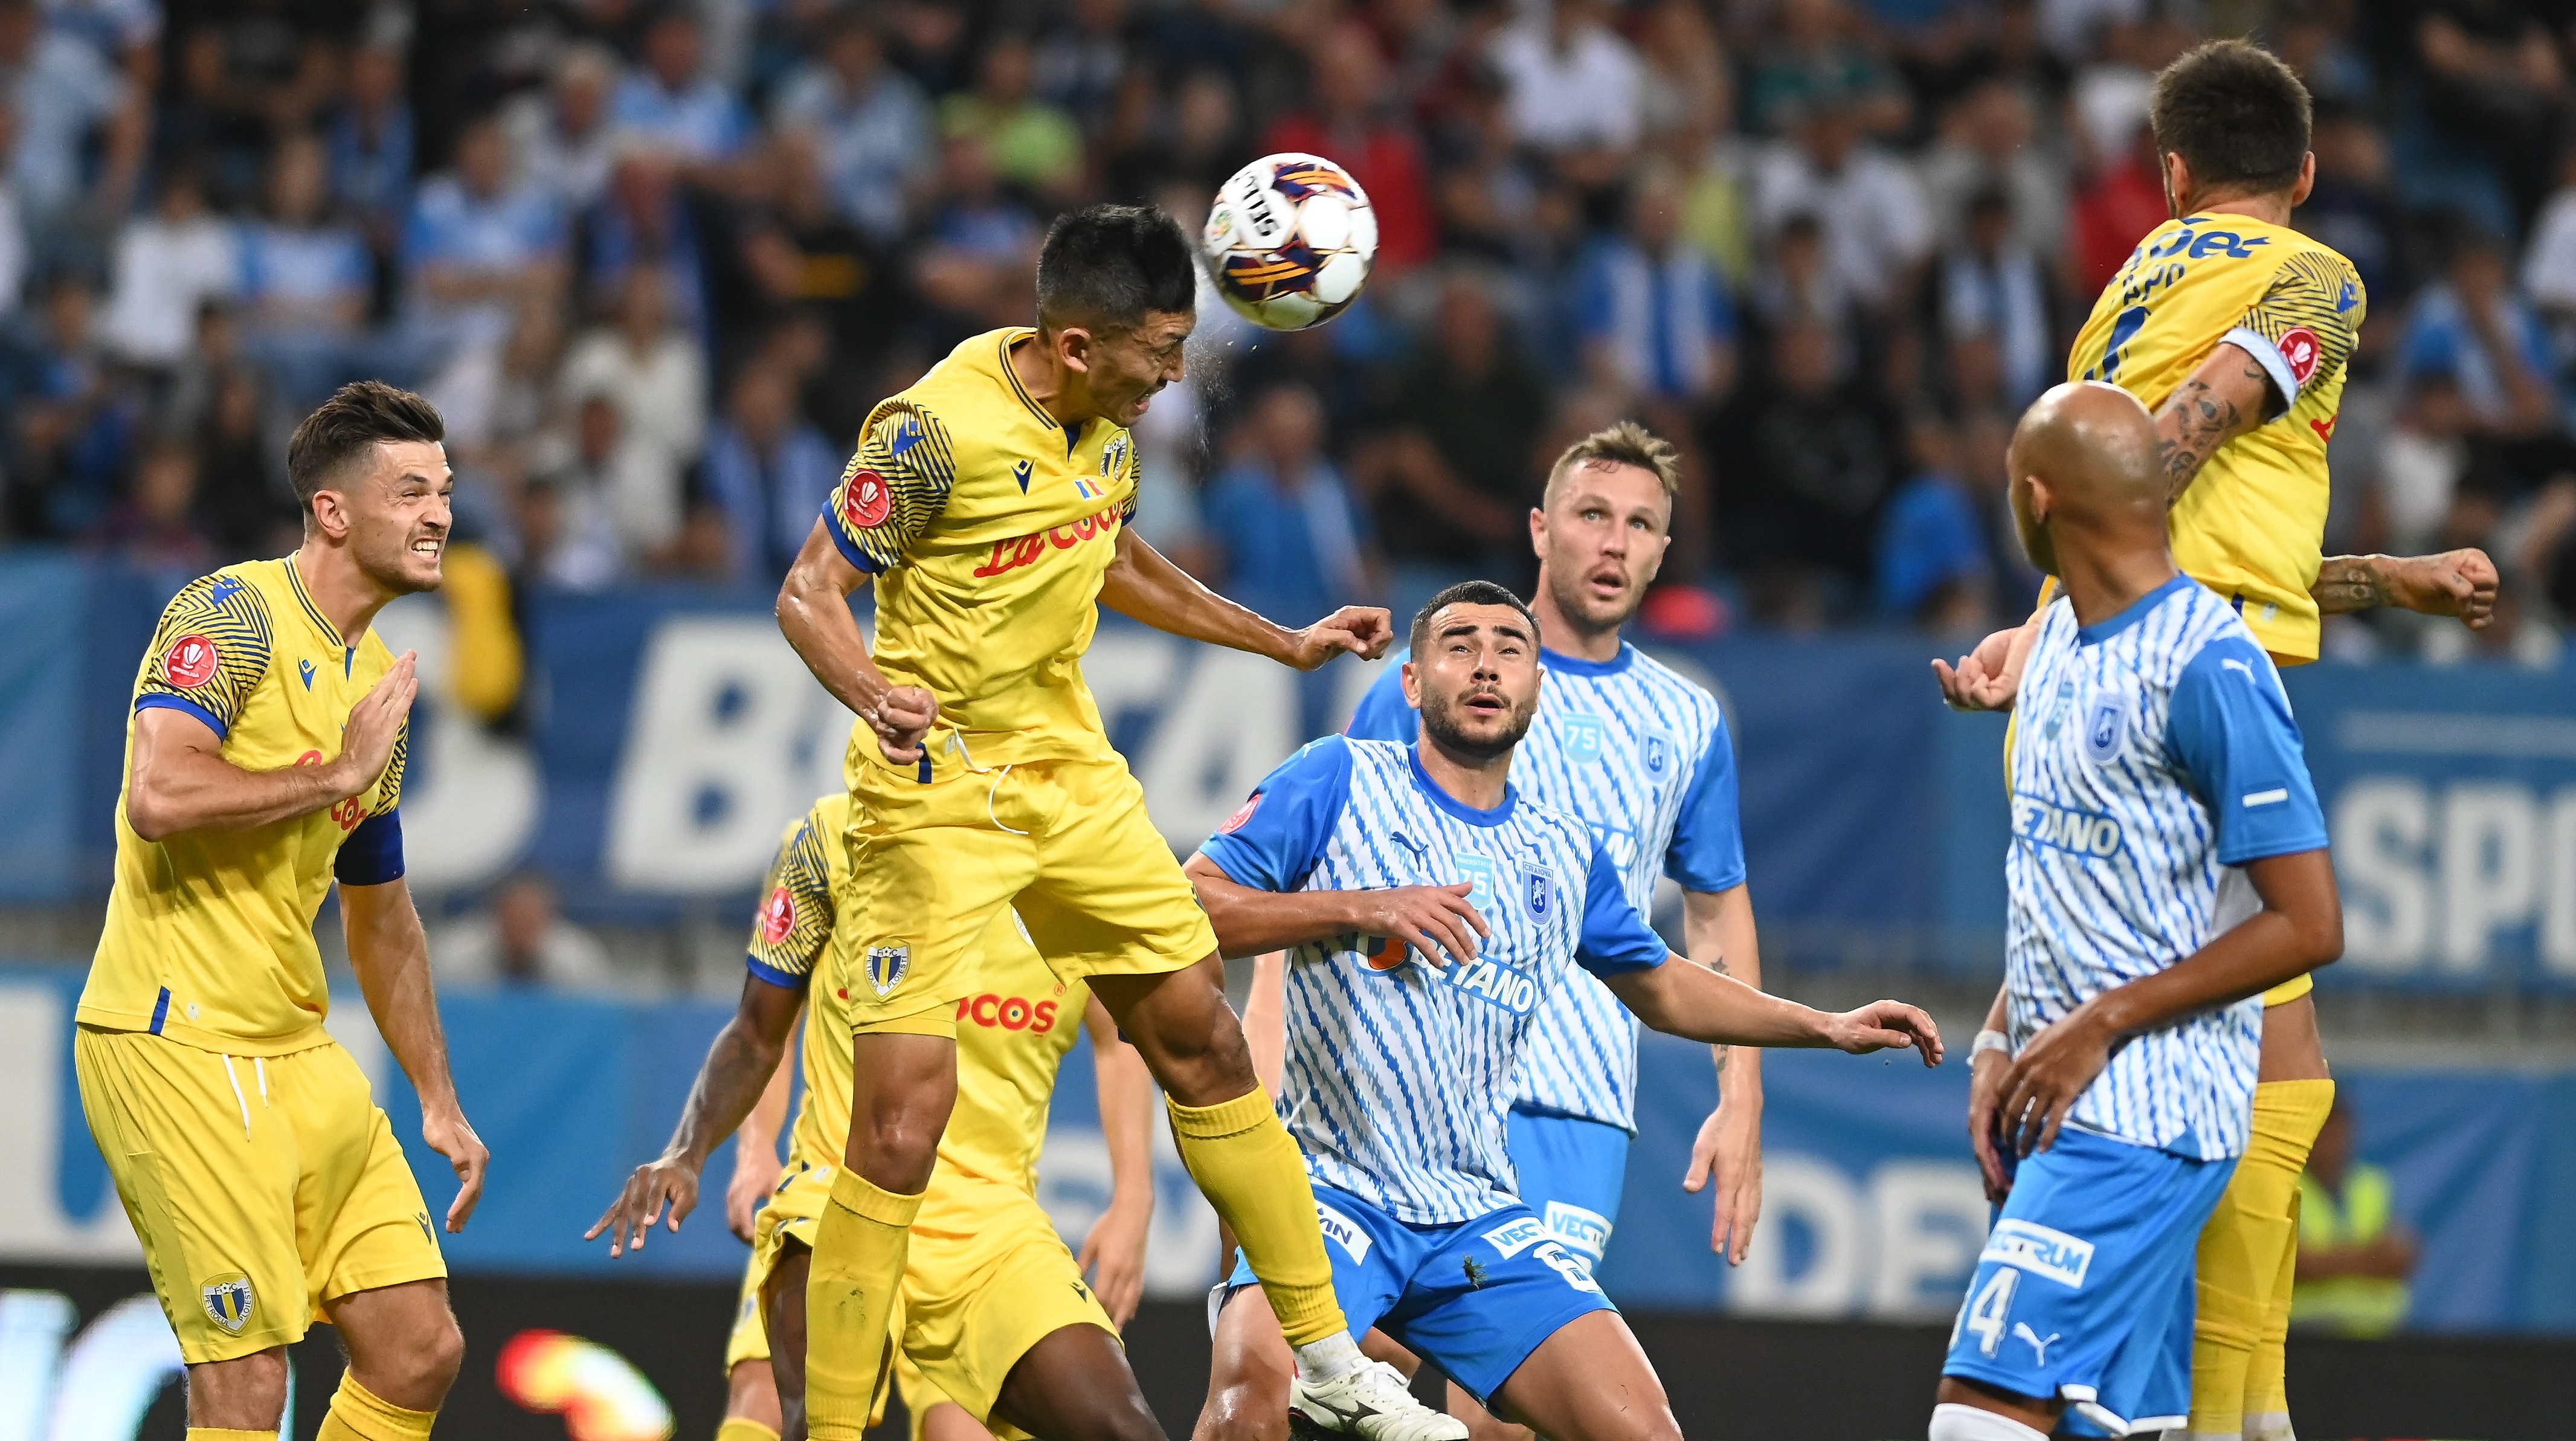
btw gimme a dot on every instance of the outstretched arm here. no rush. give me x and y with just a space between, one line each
1113 1255
1682 998
2299 928
2457 582
755 1154
391 957
1248 921
1143 584
730 1080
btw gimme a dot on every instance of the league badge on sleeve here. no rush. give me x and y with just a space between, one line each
867 502
777 916
192 662
2301 352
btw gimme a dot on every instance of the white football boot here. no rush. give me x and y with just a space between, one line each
1373 1403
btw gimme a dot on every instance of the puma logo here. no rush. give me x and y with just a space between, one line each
2039 1348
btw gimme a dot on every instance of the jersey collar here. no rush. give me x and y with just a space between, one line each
1013 340
1571 665
312 612
1454 806
2103 630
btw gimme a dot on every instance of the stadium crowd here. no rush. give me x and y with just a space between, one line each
655 262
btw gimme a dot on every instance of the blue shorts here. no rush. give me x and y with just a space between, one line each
2084 1290
1571 1171
1473 1299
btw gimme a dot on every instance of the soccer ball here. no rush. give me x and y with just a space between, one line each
1289 241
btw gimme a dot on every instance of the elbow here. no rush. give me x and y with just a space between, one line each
2321 940
148 813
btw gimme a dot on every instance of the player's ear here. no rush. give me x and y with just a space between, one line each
1412 686
2307 180
1538 531
1072 347
329 514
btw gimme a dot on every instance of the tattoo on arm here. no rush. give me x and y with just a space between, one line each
1719 965
2203 421
2347 583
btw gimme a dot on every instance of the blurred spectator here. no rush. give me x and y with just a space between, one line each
520 941
805 257
71 429
1876 228
644 221
1451 475
305 280
671 100
157 526
1683 79
241 472
651 373
370 140
1353 119
2350 208
1027 141
2421 466
2492 112
567 515
1650 312
1799 286
2355 1254
978 266
872 124
1571 82
1988 143
2474 326
1081 57
561 139
66 98
1803 468
1815 62
480 251
1993 290
1192 139
2118 207
496 400
168 264
768 472
1287 538
1717 209
13 222
1932 567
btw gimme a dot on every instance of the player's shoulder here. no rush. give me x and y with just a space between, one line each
1684 695
829 815
236 591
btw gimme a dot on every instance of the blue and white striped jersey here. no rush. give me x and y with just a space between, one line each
1398 1074
2154 754
1643 757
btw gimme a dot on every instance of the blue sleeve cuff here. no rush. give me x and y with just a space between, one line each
163 700
373 853
763 970
1707 853
1615 938
848 548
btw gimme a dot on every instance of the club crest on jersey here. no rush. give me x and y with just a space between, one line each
228 1301
192 662
886 966
866 502
777 916
1538 891
2301 351
2104 723
1583 739
1659 752
1113 457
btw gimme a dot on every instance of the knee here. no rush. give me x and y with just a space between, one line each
1245 1412
439 1359
896 1151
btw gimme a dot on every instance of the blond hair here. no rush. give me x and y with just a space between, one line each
1622 442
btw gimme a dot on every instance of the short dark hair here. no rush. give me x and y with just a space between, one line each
1107 266
2235 114
1467 592
347 426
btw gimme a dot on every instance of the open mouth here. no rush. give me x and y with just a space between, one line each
428 548
1485 703
1607 584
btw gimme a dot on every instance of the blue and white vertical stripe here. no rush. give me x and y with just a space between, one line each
2115 865
1642 756
1398 1074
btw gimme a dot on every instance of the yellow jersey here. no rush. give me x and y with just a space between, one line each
988 527
209 935
2251 525
1011 1037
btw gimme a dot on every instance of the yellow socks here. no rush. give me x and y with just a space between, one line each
2247 1261
860 1244
216 1433
736 1428
358 1414
1250 1170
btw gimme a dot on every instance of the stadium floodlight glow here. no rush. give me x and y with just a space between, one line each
599 1393
104 1385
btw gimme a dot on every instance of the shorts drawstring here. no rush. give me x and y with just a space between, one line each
238 1100
259 1067
993 794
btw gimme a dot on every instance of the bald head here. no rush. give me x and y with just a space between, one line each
2083 465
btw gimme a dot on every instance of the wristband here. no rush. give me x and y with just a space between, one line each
1990 1041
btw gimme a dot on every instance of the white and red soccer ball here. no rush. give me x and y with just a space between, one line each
1290 240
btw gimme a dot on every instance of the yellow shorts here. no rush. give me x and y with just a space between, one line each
261 1188
749 1340
973 1304
1067 842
